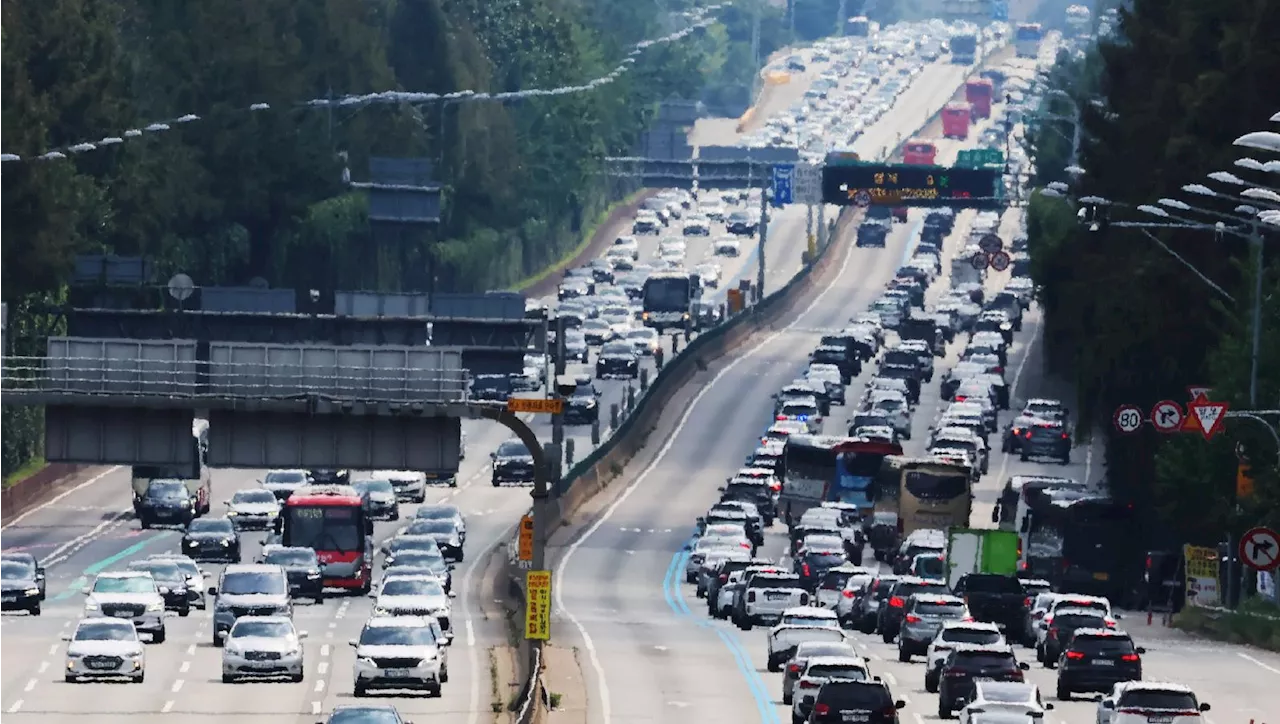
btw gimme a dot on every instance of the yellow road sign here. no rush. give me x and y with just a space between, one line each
526 538
547 406
537 607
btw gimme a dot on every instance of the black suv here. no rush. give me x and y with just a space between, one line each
166 502
813 566
1062 626
512 463
1046 440
966 664
860 701
1097 660
301 567
582 407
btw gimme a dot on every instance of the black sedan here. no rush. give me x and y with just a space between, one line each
212 539
512 463
582 407
172 582
30 561
18 589
301 566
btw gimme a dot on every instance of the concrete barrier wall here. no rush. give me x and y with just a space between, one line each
17 498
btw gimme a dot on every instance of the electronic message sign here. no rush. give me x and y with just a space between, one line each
879 184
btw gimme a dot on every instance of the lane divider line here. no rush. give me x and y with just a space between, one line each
557 588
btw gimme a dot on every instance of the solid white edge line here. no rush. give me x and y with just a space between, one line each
558 587
55 499
473 651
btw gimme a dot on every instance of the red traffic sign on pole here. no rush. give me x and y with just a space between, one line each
1260 549
979 260
1128 419
1000 261
1166 416
1205 417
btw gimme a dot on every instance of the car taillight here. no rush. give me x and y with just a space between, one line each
724 578
1130 657
1027 435
806 684
821 709
912 618
745 545
1053 632
804 570
780 417
889 712
1064 436
967 619
751 596
1075 655
794 668
897 602
1026 601
1016 432
999 370
961 398
847 594
1111 624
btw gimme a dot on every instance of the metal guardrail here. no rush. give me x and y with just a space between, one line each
74 376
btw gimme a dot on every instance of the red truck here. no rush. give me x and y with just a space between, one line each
979 95
955 120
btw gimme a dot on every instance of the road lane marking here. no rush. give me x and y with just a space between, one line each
315 707
1263 664
322 668
320 686
890 678
473 652
31 684
14 707
324 650
558 588
471 634
60 496
71 547
44 666
186 666
191 650
177 686
168 707
53 649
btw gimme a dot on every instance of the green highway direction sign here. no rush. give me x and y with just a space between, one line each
979 157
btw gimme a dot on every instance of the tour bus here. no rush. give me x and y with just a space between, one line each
331 520
668 298
934 493
1083 543
1079 21
920 151
198 479
1026 40
955 120
978 92
964 49
859 27
826 468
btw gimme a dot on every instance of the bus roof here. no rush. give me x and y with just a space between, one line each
668 274
920 142
915 463
958 106
1029 26
336 495
1019 482
979 81
839 444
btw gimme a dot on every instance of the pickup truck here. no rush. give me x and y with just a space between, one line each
994 598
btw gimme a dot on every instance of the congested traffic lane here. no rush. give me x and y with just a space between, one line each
91 529
645 659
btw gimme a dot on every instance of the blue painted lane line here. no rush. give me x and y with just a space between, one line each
674 595
77 586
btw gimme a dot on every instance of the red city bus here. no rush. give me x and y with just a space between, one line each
955 120
978 93
920 152
331 520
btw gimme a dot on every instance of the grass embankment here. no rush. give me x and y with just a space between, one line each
1256 623
588 236
31 468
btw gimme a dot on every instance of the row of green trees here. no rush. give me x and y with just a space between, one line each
242 194
1160 105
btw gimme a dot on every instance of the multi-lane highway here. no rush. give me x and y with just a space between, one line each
649 652
89 528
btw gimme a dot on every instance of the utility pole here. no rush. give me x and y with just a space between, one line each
553 388
764 233
842 18
791 16
755 54
810 244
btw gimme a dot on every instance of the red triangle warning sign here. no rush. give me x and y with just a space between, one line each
1209 417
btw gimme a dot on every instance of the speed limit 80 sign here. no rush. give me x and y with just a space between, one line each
1128 419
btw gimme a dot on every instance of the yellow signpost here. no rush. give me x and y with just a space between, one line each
526 538
538 405
537 611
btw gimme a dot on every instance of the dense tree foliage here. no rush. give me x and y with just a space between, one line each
1160 104
260 193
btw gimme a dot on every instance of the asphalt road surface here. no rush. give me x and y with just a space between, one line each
648 649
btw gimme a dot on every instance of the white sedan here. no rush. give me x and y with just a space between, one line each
727 246
1004 697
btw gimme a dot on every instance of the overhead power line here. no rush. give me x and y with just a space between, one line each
700 18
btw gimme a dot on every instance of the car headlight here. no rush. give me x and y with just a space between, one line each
32 592
90 606
313 575
232 513
293 652
366 661
186 503
159 606
225 543
380 611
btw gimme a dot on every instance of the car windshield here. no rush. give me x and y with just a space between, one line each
858 696
286 476
436 511
419 558
375 486
292 558
803 620
836 671
364 715
410 587
211 525
247 582
261 629
106 632
166 572
130 584
1076 620
1158 699
427 527
617 348
397 636
14 571
949 609
406 543
253 496
512 449
1008 694
167 491
984 660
